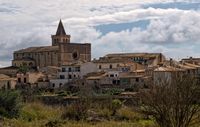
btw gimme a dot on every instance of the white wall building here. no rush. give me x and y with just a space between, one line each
72 72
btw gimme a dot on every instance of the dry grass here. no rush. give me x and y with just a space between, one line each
38 115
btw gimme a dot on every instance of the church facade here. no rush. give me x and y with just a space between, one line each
61 52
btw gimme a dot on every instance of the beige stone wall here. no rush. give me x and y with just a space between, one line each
68 49
8 84
29 77
57 39
41 59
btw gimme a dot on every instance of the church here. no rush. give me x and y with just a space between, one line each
61 52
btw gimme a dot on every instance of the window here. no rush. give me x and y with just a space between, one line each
74 76
8 85
112 75
75 55
99 66
137 79
19 80
69 76
60 85
53 85
114 82
62 77
69 69
111 66
24 80
63 70
30 64
77 69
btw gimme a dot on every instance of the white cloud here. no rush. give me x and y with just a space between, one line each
30 23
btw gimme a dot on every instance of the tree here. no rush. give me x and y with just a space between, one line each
9 103
173 103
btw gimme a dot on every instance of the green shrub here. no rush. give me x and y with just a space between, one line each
126 113
76 111
116 104
63 93
38 111
113 91
9 104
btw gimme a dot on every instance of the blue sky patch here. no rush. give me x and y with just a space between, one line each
106 28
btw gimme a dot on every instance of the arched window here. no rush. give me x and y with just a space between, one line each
110 66
99 66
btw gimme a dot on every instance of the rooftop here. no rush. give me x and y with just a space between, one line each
133 55
96 75
167 69
38 49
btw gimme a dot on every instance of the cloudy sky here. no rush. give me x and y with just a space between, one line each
168 26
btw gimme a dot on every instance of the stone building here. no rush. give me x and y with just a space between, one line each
61 52
136 61
191 60
7 82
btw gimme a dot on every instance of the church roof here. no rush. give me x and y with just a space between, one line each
38 49
60 30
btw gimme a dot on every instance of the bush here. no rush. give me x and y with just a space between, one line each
38 111
76 111
9 104
63 93
127 113
116 104
113 91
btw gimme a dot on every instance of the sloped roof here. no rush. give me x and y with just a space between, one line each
95 75
60 29
4 76
167 69
129 75
133 55
38 49
192 65
9 67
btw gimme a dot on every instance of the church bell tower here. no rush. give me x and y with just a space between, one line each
61 36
